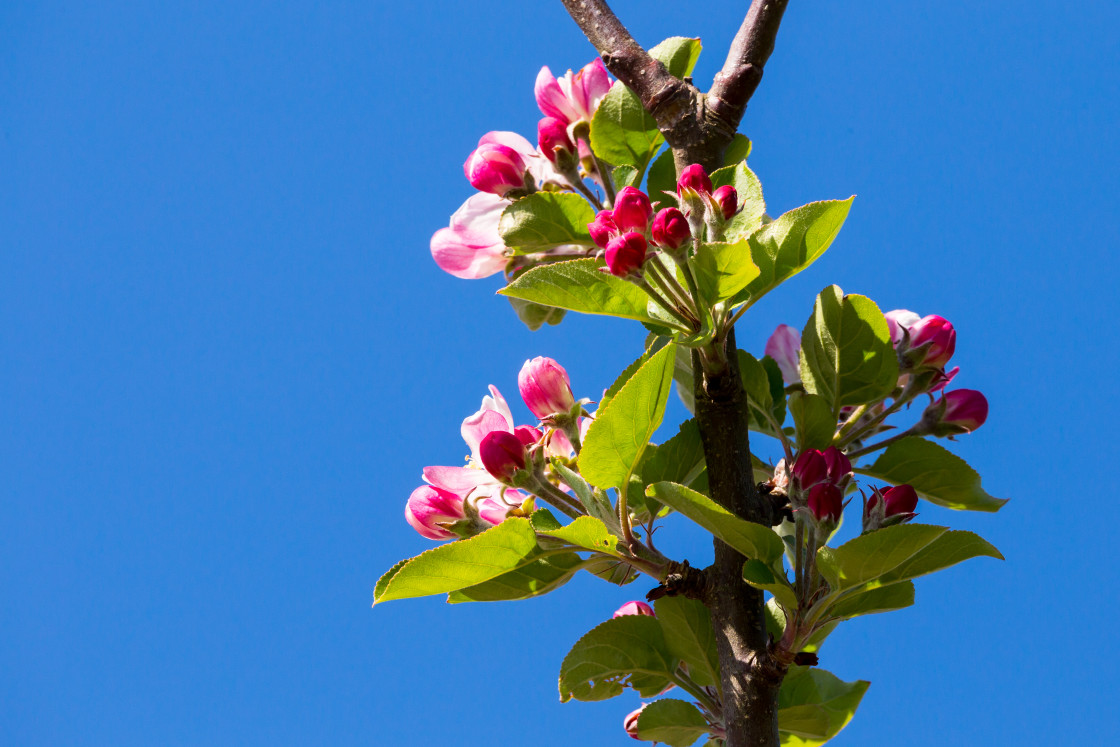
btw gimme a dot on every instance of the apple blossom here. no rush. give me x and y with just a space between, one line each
694 179
727 199
826 502
471 248
572 97
958 411
632 210
626 253
670 229
545 387
634 608
553 140
603 228
784 346
495 168
503 454
429 510
630 723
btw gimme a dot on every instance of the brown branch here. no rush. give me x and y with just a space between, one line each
670 101
736 82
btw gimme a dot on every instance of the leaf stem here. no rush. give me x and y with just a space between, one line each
881 445
690 687
684 324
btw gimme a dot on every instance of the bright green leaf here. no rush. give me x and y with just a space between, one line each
662 179
675 723
722 269
814 704
534 315
457 565
620 432
937 474
545 574
846 351
752 540
678 54
738 150
873 601
588 533
762 576
690 637
624 651
625 176
813 421
679 460
792 242
751 202
546 219
578 285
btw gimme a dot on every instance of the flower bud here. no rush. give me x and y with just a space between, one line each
502 454
839 466
694 178
630 723
632 210
553 140
527 434
826 503
727 199
429 510
958 411
670 229
784 346
495 168
603 228
626 253
545 387
899 322
810 469
939 335
634 608
900 499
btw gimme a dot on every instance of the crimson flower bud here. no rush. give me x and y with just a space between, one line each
632 210
429 510
939 334
839 466
495 168
634 608
826 502
810 469
696 179
958 411
899 322
626 253
670 229
603 228
900 499
527 434
630 723
727 199
502 454
553 140
545 387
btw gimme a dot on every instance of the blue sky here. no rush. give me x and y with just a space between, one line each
226 354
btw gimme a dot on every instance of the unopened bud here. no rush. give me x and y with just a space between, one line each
694 178
431 511
553 141
503 454
495 168
727 199
634 608
626 254
826 503
632 210
603 228
670 229
545 387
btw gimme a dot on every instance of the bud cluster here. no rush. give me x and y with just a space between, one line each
819 479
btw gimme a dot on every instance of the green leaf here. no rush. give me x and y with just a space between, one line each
722 269
679 460
624 651
678 54
588 533
682 375
873 601
758 384
579 286
813 421
457 565
546 219
937 474
846 351
382 582
749 190
738 150
763 576
815 704
899 553
676 723
545 574
689 635
622 132
622 378
534 315
662 179
786 246
620 432
752 540
777 389
625 176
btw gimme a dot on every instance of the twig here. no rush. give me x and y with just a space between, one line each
742 72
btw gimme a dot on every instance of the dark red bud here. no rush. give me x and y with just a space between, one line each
502 454
696 179
901 499
603 228
626 253
670 229
826 502
632 210
727 199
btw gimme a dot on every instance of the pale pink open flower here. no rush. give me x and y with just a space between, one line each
573 97
784 346
471 247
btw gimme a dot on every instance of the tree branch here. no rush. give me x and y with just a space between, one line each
736 82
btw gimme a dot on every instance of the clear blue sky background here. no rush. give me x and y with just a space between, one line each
226 354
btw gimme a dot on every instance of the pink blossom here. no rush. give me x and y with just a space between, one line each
471 247
826 502
694 179
572 97
938 333
899 322
495 168
603 228
964 409
634 608
503 454
630 723
670 229
784 346
545 387
429 510
632 210
727 199
553 140
626 254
